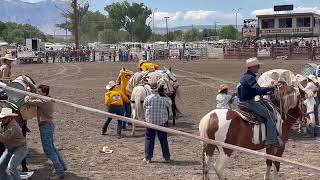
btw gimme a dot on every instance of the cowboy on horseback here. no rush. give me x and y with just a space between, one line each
247 92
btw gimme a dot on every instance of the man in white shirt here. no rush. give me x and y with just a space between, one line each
223 98
313 87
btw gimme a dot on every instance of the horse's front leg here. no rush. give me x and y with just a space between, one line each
276 152
134 116
207 153
277 164
221 162
269 165
133 129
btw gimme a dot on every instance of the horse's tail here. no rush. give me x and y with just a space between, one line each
203 126
138 95
178 93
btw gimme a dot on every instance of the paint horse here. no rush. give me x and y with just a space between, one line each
139 87
232 127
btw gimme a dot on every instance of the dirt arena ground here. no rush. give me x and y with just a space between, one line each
78 132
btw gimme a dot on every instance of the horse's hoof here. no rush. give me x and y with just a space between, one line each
266 177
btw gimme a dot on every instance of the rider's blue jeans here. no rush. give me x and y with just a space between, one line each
269 117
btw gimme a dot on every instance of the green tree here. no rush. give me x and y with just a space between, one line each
17 33
130 17
228 32
92 24
192 35
207 33
109 36
82 9
156 37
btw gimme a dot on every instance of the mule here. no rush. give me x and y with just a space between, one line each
141 90
230 127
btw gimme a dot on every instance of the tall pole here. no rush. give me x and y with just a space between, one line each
76 26
66 29
167 30
153 19
237 12
215 28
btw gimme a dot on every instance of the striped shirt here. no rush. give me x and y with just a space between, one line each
157 109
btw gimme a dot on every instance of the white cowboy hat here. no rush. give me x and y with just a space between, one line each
313 78
8 57
252 62
7 112
110 85
105 149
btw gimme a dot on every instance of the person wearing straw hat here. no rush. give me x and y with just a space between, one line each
223 99
114 101
313 86
157 111
248 90
5 68
16 148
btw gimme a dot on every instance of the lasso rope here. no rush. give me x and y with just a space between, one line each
172 131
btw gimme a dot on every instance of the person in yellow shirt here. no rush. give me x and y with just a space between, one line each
147 66
123 78
114 101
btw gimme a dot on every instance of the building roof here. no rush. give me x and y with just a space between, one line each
286 13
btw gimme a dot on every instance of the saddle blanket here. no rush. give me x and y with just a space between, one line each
259 133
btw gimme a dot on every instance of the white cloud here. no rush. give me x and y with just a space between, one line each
199 17
296 10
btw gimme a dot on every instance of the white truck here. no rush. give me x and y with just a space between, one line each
34 44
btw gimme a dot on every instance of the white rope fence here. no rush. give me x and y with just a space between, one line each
172 131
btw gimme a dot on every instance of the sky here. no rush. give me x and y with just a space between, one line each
207 12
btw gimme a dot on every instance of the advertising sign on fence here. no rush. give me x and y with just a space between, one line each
215 52
192 52
264 52
174 53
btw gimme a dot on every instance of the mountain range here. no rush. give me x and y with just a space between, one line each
45 14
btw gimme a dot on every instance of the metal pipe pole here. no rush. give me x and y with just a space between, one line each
237 12
153 19
74 4
66 29
167 30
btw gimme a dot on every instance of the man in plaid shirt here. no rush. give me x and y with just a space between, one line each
157 111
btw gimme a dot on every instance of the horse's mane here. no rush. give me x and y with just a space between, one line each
287 98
